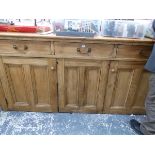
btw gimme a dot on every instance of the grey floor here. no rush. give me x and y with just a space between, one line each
33 123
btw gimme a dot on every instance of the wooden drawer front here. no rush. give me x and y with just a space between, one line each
134 51
25 47
84 49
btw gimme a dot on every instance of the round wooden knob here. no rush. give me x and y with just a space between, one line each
52 68
112 70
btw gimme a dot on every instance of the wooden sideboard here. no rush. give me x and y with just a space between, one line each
68 74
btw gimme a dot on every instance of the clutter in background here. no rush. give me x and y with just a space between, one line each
124 28
75 27
24 26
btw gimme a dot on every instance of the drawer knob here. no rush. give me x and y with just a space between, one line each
25 47
15 47
84 49
52 68
83 46
113 70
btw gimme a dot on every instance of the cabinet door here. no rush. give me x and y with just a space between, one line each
29 83
3 104
137 105
127 88
82 85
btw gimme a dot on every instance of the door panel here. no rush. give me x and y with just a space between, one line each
30 84
71 96
141 93
41 84
124 87
3 103
81 85
92 76
15 74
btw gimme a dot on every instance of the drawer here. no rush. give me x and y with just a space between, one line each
84 49
25 47
134 51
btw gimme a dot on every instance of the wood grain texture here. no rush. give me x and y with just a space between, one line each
32 84
137 106
102 50
81 85
37 36
5 84
25 47
3 103
134 51
109 79
123 86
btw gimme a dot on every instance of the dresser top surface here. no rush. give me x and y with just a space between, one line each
12 35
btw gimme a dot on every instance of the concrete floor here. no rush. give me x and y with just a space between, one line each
35 123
